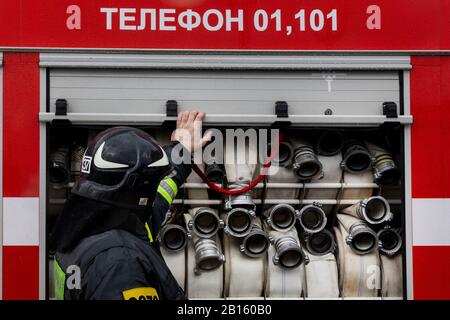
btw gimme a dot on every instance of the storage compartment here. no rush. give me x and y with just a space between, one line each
329 224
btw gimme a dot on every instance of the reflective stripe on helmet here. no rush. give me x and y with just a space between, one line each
164 161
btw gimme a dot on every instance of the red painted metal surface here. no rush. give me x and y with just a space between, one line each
430 102
430 133
20 125
431 272
405 25
20 272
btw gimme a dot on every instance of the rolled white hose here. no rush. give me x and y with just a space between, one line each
359 275
391 275
281 282
322 279
357 193
241 165
361 238
281 174
240 162
346 220
332 173
206 285
196 193
176 261
244 276
373 210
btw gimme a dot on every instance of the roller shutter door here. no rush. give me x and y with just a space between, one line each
122 91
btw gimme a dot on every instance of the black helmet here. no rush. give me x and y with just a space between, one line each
123 166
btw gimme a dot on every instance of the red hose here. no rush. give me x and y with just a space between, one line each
260 178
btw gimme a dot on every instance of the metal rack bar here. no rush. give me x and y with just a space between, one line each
284 185
224 61
277 201
226 119
56 201
277 185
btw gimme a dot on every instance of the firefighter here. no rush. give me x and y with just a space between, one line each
104 236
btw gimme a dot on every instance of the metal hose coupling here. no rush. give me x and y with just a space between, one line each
281 217
355 156
214 168
361 238
238 222
59 170
284 156
173 237
208 257
76 158
205 223
306 164
330 143
374 210
256 243
215 172
243 200
312 218
320 243
385 170
390 241
288 253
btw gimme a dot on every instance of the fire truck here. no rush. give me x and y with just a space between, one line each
360 91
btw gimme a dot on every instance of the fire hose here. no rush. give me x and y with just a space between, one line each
322 277
286 279
358 260
251 185
204 254
244 273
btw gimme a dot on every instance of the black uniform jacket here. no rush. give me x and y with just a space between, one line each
105 252
117 265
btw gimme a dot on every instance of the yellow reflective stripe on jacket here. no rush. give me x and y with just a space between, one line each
165 194
59 280
168 189
172 184
150 237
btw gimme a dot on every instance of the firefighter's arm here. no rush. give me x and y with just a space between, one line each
168 189
187 138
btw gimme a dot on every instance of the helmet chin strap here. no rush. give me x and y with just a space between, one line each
253 184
